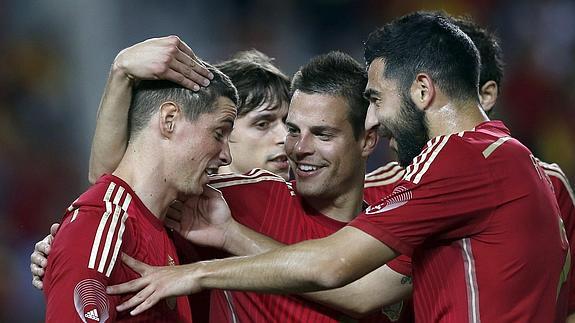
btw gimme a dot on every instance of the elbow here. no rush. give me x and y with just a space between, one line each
333 274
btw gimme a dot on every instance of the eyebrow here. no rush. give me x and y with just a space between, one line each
369 93
321 129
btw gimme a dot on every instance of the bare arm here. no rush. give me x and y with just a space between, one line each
307 266
218 229
166 58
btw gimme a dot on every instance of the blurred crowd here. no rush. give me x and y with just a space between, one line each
55 56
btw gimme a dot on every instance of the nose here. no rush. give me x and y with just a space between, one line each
279 133
371 120
303 146
225 155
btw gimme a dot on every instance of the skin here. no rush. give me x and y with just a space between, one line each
167 58
311 265
157 178
257 141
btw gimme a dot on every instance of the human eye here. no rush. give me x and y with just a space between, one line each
262 124
291 130
324 136
219 134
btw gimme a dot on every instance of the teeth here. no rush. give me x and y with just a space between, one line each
307 168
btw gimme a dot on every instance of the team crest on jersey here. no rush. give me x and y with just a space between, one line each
172 301
393 312
91 301
397 198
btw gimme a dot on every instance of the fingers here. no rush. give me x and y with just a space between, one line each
201 67
186 63
145 305
136 265
41 250
175 225
36 270
37 283
178 205
127 287
54 229
140 297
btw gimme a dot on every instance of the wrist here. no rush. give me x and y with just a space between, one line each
119 70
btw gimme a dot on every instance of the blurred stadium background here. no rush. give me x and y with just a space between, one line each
55 56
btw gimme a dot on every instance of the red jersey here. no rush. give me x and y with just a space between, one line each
477 214
267 204
106 220
566 200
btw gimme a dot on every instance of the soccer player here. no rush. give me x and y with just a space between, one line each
176 137
473 209
332 86
257 140
380 182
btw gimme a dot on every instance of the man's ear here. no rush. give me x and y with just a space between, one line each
488 95
169 114
422 91
369 142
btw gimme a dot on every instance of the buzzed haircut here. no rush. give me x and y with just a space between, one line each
257 80
489 47
149 95
427 42
338 74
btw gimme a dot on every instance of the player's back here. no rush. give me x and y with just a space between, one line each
105 221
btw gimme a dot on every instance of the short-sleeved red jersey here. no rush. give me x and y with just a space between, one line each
106 220
566 200
269 205
478 216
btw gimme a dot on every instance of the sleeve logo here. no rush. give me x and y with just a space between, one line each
91 301
397 198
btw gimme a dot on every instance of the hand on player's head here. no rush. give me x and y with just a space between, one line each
165 58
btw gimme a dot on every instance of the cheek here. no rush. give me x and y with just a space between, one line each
289 144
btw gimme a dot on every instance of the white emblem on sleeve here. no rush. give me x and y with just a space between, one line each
397 198
91 301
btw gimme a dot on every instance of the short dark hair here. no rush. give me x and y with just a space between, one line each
427 42
256 79
489 49
148 95
336 73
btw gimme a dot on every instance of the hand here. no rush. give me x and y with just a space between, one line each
166 58
204 219
155 284
39 259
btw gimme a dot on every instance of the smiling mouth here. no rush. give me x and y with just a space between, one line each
307 168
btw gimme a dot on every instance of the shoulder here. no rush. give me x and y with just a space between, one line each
384 175
254 176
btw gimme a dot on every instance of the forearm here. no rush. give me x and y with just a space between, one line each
312 265
379 288
243 241
111 135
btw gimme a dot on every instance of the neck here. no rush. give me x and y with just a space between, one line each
344 207
452 117
146 176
